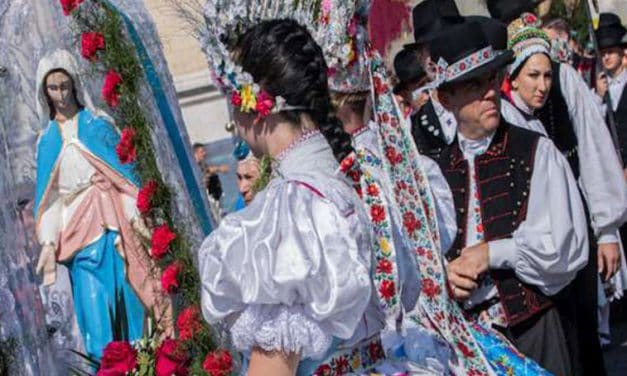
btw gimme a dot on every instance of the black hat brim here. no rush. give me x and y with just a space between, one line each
499 62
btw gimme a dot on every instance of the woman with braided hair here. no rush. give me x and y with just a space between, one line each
291 273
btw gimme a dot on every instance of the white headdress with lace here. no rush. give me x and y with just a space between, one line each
227 19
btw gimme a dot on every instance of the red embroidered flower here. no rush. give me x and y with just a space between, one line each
324 370
110 88
91 42
144 197
161 239
479 228
377 213
379 86
384 117
125 149
421 251
118 358
466 352
188 323
529 18
69 6
171 359
236 99
375 351
392 155
373 190
410 222
169 278
264 104
218 363
347 163
341 365
387 289
384 266
430 288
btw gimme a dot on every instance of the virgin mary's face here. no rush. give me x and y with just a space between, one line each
59 89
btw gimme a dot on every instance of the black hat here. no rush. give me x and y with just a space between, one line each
432 16
464 52
610 32
508 10
407 69
494 30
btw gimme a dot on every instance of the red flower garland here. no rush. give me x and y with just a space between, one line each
161 239
171 359
91 42
264 104
144 197
110 88
218 363
169 278
125 149
69 6
189 323
118 358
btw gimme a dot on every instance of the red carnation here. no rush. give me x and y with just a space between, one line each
373 190
188 323
69 6
169 278
218 363
265 102
171 359
377 213
144 197
430 288
161 239
119 358
387 289
384 266
125 149
236 99
91 42
110 88
410 222
392 155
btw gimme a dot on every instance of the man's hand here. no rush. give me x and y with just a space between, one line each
47 264
464 271
608 257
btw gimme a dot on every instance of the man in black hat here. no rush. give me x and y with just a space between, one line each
508 10
433 128
411 76
610 34
522 232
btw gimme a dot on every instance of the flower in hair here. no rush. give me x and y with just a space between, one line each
249 99
265 102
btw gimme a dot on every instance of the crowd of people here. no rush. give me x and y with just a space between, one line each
466 219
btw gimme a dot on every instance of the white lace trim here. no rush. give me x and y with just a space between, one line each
280 328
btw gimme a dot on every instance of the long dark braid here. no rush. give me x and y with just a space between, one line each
284 60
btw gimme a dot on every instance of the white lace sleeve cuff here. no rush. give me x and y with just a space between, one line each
280 328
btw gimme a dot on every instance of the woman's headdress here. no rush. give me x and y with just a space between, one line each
226 20
526 38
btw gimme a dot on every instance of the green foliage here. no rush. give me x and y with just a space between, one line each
119 55
577 19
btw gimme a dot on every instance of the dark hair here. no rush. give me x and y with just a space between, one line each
284 60
197 145
53 112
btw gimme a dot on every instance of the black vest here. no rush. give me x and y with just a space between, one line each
620 115
504 176
427 131
556 120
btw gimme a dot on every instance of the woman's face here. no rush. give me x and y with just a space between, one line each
533 83
59 89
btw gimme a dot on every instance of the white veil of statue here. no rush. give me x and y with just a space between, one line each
29 30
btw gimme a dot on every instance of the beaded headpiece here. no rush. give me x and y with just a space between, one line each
225 20
525 38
